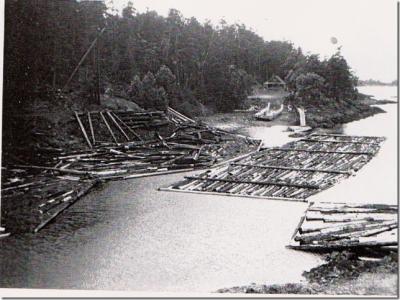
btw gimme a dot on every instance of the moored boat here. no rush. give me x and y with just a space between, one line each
267 114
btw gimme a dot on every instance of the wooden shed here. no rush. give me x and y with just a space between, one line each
275 83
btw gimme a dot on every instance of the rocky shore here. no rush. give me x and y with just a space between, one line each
344 273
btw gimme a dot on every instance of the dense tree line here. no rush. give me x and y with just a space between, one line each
150 59
315 80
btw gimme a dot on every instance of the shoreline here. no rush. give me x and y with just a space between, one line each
324 116
343 273
284 287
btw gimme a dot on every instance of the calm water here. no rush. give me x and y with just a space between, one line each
377 181
129 236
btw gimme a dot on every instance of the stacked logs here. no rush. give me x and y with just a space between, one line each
121 145
293 172
328 226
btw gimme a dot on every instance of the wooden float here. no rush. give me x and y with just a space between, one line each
294 171
329 226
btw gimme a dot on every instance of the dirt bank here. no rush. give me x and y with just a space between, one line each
345 273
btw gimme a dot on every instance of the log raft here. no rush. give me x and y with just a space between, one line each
294 171
338 228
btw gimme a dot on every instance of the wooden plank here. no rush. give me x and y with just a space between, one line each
307 186
108 127
83 130
293 169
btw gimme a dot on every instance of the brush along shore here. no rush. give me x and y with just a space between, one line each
344 273
327 114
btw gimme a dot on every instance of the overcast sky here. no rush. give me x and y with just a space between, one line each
366 29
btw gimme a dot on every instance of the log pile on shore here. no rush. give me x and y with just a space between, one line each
160 143
293 172
120 145
330 226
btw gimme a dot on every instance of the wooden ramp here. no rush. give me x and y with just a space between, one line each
331 226
293 172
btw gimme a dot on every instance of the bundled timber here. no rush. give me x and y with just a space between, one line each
294 171
139 143
121 145
330 226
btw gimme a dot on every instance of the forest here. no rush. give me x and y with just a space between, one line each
152 60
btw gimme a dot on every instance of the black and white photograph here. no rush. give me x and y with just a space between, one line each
214 148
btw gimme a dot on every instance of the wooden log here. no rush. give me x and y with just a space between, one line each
170 189
307 186
119 127
108 127
339 233
91 127
65 206
344 135
294 169
127 127
339 142
126 154
83 130
180 115
323 151
298 227
68 171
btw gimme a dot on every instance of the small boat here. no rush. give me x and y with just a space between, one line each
298 129
267 114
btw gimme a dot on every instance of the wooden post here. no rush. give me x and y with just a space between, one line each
83 129
83 59
119 127
91 127
108 127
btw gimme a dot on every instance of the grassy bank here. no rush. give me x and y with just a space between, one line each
344 273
